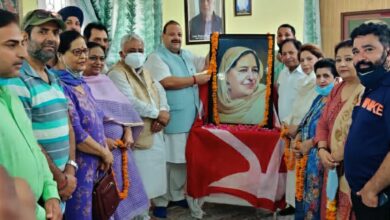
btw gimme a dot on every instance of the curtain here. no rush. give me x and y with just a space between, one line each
143 17
312 24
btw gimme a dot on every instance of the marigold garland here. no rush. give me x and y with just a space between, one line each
288 156
125 174
213 71
300 174
331 210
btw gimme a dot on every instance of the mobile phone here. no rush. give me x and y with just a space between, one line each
382 199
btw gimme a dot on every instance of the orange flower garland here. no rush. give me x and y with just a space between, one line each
125 175
288 155
213 71
331 210
300 174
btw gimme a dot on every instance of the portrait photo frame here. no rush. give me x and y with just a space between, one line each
197 30
13 6
242 7
241 79
351 20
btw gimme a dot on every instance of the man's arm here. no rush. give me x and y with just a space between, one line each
173 82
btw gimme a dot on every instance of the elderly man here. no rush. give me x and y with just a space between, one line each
149 100
176 69
73 18
206 22
367 149
44 101
20 154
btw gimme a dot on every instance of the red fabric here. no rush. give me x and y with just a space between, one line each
209 159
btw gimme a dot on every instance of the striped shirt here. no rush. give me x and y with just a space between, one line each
46 106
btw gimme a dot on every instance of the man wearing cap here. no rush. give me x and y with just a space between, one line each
43 98
20 154
73 18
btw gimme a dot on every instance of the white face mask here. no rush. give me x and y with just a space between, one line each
135 60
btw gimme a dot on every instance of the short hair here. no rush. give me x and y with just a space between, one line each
91 45
326 63
287 26
380 30
129 37
343 44
311 48
297 44
66 39
7 18
93 25
169 23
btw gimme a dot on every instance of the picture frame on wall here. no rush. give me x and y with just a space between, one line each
10 5
242 7
203 17
351 20
242 79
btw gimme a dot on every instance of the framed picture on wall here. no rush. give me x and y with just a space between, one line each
241 82
11 5
242 7
351 20
203 17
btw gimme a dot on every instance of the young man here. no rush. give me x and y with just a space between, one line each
73 18
176 69
19 152
44 101
96 32
367 149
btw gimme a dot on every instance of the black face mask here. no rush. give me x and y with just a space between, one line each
371 76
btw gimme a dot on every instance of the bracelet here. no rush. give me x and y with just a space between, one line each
63 186
194 78
73 164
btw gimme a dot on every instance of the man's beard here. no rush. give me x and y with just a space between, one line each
371 66
36 51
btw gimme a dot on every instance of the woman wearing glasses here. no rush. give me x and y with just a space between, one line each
87 120
121 122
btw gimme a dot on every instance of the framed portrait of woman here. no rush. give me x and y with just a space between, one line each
241 82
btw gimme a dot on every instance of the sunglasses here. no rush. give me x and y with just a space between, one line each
42 14
77 52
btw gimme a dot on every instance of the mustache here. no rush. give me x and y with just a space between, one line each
363 62
175 41
49 43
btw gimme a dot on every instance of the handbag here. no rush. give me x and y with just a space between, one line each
105 197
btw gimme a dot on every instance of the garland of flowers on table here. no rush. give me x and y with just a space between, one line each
125 175
213 72
300 173
288 156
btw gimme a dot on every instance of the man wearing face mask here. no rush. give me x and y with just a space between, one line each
176 69
42 96
149 100
367 149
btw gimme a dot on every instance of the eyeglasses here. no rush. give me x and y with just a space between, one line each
77 52
96 58
42 14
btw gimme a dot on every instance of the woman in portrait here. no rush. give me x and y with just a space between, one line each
241 98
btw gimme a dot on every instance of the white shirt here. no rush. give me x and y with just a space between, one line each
288 86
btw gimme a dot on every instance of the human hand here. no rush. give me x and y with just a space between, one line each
292 130
127 139
156 126
369 196
71 184
107 159
327 159
111 144
53 210
306 146
202 77
163 117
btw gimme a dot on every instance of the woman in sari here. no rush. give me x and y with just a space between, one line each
331 133
309 180
87 122
241 96
121 122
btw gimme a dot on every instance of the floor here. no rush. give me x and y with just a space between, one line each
224 212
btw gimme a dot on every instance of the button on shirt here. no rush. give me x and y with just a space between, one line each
288 86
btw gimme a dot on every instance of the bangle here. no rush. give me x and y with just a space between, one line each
73 164
194 79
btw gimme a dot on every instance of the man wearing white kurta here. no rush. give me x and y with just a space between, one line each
290 80
176 69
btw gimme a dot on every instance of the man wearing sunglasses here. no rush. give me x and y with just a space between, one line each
43 98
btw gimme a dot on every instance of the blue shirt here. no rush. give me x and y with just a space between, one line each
368 140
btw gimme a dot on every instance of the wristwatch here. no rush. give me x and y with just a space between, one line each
73 164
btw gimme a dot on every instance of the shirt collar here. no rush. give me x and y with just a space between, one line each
28 70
